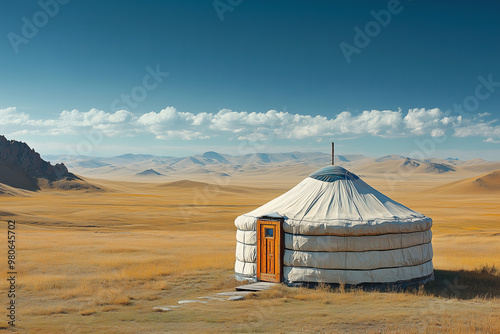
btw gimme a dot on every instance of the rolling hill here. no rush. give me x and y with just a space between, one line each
484 184
22 168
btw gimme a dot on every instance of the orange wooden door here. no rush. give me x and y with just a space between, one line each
269 252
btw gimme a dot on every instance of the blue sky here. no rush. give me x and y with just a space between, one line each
421 78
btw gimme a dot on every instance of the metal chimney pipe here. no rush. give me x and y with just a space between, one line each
333 152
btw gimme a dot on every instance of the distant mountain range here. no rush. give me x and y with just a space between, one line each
129 166
22 168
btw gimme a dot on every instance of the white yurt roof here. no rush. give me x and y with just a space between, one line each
334 201
338 229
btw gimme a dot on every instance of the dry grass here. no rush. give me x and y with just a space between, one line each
101 262
393 312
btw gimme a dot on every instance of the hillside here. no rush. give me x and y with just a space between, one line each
21 167
485 184
23 157
15 177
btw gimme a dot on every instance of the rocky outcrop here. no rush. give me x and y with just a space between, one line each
409 163
214 157
23 168
432 167
149 172
29 161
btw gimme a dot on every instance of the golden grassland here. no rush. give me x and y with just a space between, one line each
98 262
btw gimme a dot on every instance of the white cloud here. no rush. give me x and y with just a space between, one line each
94 118
478 129
437 132
491 140
10 116
169 123
68 122
429 121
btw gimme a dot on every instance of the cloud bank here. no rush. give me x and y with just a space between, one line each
169 124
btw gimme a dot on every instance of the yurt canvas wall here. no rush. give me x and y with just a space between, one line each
338 229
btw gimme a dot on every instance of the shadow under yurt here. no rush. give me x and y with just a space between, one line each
334 228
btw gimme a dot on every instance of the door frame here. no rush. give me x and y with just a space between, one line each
279 250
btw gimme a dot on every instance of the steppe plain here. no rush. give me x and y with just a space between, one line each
100 260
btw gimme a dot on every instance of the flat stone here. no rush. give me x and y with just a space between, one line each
162 309
234 293
190 301
236 298
211 298
259 286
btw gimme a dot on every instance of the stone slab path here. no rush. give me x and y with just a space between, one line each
259 286
239 294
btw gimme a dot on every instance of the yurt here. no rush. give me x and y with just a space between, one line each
334 228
